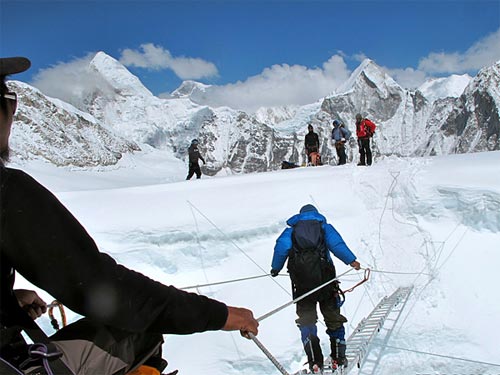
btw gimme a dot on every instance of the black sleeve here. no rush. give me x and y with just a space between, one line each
50 248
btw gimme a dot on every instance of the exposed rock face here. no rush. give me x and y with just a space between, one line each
474 123
54 131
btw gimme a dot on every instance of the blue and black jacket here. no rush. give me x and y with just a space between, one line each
334 242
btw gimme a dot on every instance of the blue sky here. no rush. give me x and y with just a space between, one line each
241 43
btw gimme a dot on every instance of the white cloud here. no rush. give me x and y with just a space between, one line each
360 57
484 52
156 57
69 81
408 78
281 85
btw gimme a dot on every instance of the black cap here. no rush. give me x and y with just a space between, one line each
13 65
308 208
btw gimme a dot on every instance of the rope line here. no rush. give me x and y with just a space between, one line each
389 194
236 246
53 320
225 282
365 279
402 273
200 246
440 355
267 353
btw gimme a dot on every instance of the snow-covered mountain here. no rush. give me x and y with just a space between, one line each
191 90
52 130
440 88
432 120
474 124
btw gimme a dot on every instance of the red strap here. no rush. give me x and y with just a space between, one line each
365 279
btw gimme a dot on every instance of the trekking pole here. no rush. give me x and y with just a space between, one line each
267 315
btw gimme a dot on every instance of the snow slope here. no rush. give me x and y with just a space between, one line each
437 220
439 88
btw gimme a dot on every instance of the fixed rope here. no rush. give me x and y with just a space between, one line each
236 245
442 356
268 354
224 282
365 279
53 320
272 312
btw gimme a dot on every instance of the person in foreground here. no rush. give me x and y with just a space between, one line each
307 244
124 312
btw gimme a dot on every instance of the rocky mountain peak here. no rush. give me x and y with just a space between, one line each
117 77
369 75
118 107
189 89
487 79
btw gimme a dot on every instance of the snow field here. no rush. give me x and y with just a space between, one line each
435 219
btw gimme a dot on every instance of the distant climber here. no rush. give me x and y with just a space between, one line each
364 131
340 135
194 155
311 145
307 244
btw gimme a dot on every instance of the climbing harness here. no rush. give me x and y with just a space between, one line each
267 315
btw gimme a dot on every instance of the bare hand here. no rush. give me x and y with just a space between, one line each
241 319
355 265
31 302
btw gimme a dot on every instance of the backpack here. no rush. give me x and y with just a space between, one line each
368 130
315 158
308 263
288 165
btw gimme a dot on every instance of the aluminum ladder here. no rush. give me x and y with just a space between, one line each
387 311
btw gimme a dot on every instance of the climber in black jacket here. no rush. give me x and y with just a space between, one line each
125 312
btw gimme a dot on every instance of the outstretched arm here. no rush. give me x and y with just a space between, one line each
50 248
281 249
31 303
241 319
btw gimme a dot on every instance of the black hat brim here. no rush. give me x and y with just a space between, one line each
13 65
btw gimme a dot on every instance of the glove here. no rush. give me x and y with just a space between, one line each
342 140
274 273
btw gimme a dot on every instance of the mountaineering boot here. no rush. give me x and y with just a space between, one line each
338 353
316 370
314 354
